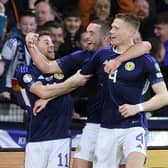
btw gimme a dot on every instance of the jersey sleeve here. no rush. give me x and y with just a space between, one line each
91 66
69 64
9 49
25 77
154 74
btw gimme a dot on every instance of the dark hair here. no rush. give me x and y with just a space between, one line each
129 18
38 1
50 24
29 13
162 18
105 26
54 24
72 11
44 33
156 45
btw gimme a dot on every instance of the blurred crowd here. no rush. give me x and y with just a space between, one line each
67 21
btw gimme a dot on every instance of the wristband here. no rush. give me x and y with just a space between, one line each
140 107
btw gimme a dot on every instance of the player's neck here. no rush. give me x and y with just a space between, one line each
123 47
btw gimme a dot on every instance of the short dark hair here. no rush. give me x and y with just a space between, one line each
50 24
72 11
44 33
38 1
29 13
53 24
162 18
105 25
129 18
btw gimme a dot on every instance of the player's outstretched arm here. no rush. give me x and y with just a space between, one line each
40 60
134 51
58 89
159 100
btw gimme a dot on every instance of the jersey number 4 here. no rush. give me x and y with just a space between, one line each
113 76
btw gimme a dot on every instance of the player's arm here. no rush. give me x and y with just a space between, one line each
2 65
40 60
134 51
159 100
58 89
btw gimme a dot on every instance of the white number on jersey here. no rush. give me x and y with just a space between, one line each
113 76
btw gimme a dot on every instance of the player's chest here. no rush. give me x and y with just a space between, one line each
128 71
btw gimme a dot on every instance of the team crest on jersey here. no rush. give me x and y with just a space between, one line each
27 78
129 66
58 76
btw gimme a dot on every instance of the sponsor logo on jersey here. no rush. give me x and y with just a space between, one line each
129 66
58 76
27 78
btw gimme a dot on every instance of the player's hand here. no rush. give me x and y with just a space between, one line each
112 65
31 39
128 110
39 105
78 79
75 115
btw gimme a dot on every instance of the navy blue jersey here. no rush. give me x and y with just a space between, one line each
165 61
54 120
125 86
69 65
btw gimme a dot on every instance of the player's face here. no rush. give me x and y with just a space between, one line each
94 36
27 24
46 46
57 37
72 24
161 31
121 32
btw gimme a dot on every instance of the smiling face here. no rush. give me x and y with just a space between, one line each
161 31
94 36
142 8
72 24
46 46
27 24
102 9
